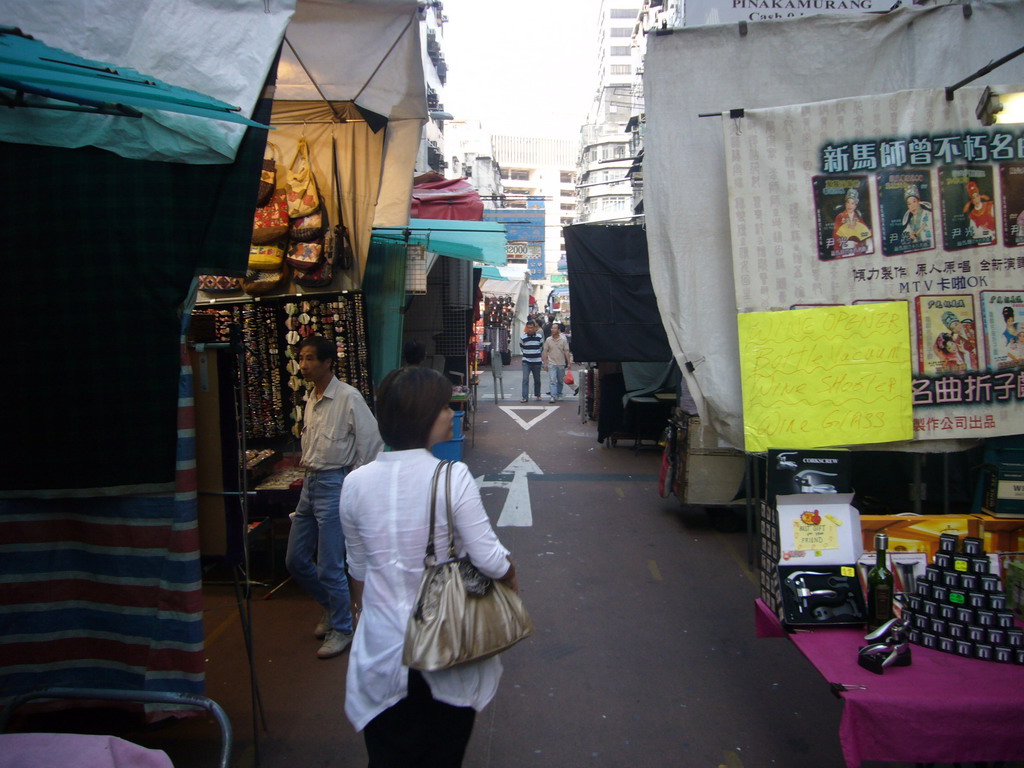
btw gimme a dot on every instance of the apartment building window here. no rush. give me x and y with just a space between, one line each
624 13
619 69
620 50
567 192
621 32
515 204
504 173
520 175
566 177
620 150
567 207
514 191
566 222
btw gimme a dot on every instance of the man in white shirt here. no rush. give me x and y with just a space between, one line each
339 434
556 358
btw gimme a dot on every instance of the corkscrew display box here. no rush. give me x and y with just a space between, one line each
821 595
818 529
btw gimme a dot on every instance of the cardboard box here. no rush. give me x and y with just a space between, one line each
807 471
917 533
1004 490
818 528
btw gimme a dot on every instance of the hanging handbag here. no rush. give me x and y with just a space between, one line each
219 284
270 222
339 246
268 175
459 614
303 197
266 257
305 256
307 228
319 277
258 281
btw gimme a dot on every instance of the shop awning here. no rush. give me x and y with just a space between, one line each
37 76
508 272
482 241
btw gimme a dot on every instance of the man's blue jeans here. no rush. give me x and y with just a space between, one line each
557 380
316 529
528 370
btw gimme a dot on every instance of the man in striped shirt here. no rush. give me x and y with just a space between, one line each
531 342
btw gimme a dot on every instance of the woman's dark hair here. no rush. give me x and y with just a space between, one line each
408 402
324 349
414 351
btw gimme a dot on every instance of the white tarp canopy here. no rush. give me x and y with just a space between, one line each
700 70
366 51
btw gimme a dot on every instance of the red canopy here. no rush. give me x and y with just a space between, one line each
434 197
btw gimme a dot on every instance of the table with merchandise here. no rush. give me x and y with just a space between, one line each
942 708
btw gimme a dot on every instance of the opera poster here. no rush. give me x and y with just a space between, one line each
906 211
844 217
1011 176
967 379
1003 319
968 209
947 335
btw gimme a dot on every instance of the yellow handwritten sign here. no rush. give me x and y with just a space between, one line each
812 537
826 376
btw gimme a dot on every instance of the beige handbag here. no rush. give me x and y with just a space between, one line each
459 615
303 197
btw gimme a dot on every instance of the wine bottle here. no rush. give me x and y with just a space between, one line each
880 586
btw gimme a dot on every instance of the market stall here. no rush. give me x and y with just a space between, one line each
129 212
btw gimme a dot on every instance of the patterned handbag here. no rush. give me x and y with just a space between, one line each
318 277
266 257
307 228
268 175
305 256
270 221
303 197
258 282
219 284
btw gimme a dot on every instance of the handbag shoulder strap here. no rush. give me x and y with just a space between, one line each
336 183
429 558
448 509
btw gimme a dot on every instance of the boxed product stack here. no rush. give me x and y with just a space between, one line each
960 607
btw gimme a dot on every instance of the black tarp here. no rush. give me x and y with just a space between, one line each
101 251
615 316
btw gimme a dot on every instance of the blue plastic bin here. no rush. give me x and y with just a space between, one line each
450 449
457 425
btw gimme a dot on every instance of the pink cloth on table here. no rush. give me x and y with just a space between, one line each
942 708
72 750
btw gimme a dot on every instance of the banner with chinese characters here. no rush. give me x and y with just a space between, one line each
899 197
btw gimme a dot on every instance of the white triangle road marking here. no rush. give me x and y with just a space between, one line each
544 413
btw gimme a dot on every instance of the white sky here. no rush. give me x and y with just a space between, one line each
527 67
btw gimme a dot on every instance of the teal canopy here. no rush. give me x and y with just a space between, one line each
482 241
33 74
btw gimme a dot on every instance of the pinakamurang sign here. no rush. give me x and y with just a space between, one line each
703 12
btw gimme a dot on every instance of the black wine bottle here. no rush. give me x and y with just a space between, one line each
880 586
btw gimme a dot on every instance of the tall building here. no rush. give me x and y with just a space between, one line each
611 142
604 191
431 156
538 174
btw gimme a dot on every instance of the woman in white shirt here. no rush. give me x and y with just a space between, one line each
411 718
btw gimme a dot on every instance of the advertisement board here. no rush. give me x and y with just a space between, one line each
900 197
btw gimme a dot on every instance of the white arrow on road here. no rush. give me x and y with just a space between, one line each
516 511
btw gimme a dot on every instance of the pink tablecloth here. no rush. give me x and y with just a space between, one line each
72 750
943 708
